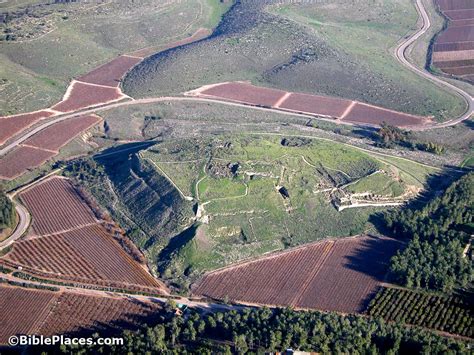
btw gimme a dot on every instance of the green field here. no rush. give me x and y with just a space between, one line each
236 183
54 43
338 48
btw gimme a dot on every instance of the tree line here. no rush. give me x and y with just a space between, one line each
7 211
438 234
266 330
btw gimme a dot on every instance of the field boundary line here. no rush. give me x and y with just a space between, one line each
327 252
348 110
282 99
35 147
187 198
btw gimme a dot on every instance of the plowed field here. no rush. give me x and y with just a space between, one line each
17 161
83 95
11 125
110 73
340 275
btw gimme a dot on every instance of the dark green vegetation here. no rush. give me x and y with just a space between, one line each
452 314
7 211
258 331
389 136
47 43
141 201
280 46
439 232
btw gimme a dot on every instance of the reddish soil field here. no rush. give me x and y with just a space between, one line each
199 34
87 255
320 105
467 70
460 15
22 310
11 125
362 113
83 95
453 56
456 34
83 314
448 47
17 161
339 275
446 5
56 206
245 93
32 311
353 272
58 134
110 73
455 63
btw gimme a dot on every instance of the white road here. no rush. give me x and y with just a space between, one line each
401 56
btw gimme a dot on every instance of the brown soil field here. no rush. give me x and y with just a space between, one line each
12 125
447 47
110 73
362 113
465 22
449 56
467 70
446 5
58 134
321 105
455 63
84 314
337 275
22 310
56 206
460 15
199 34
456 34
47 313
245 93
17 161
87 255
84 95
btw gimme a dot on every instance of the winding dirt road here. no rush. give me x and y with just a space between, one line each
400 54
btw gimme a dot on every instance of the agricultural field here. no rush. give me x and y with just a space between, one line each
452 314
336 275
46 44
254 194
68 242
453 49
11 125
22 158
56 206
22 310
295 47
55 312
82 95
42 146
345 110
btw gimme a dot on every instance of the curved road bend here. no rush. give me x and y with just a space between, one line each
400 54
23 223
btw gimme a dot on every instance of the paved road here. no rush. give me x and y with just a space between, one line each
23 223
401 56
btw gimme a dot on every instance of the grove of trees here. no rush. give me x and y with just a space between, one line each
438 233
7 211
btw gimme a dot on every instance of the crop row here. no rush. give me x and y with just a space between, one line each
451 314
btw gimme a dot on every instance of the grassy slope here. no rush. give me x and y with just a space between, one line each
249 217
272 50
370 31
35 74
